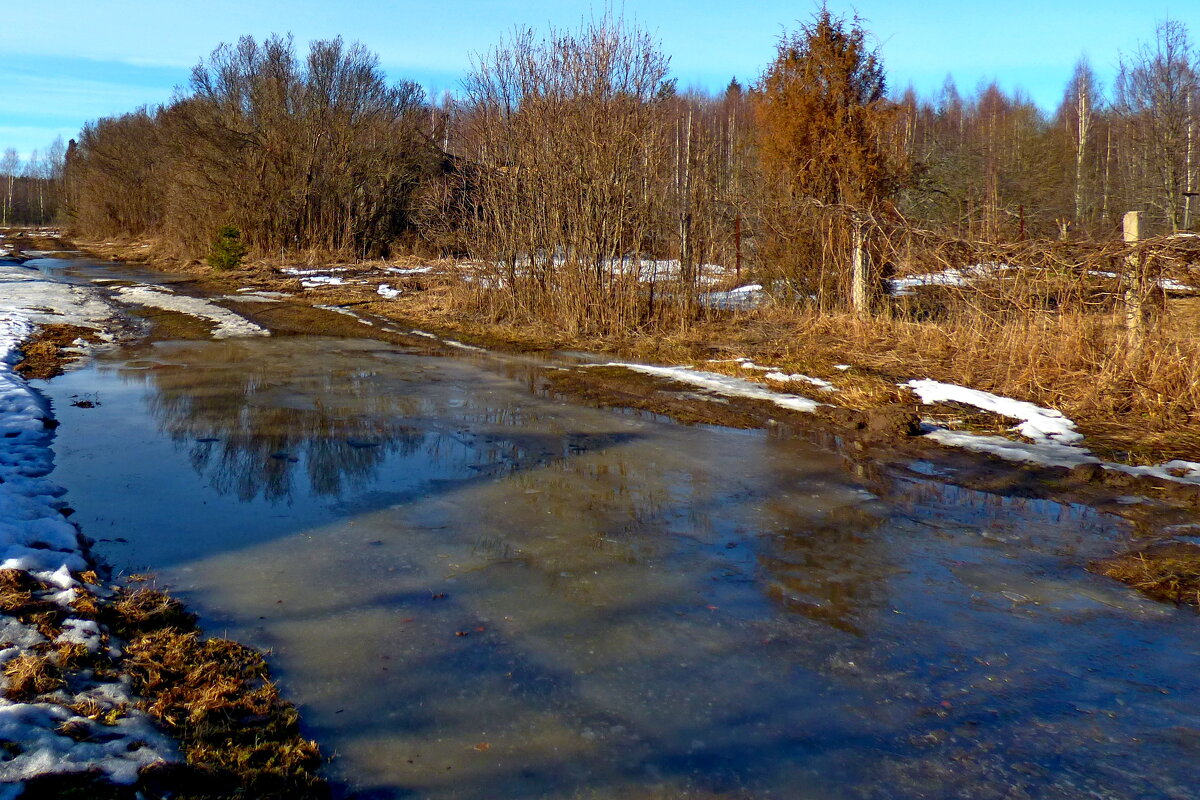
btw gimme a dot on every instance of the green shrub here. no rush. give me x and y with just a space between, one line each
228 249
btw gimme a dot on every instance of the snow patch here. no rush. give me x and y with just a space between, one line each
228 324
739 299
796 377
949 277
1036 423
721 384
1055 442
323 271
36 537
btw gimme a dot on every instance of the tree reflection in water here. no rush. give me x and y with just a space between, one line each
256 417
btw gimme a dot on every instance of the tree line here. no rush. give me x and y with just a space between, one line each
573 166
31 190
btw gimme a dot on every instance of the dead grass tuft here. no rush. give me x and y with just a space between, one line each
1169 572
29 676
18 599
93 709
137 611
16 590
217 698
72 656
44 353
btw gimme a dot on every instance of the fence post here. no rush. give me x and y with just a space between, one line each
860 298
1135 291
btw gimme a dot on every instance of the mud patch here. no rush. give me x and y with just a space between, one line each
168 326
46 354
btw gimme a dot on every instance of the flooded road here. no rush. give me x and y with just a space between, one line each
473 590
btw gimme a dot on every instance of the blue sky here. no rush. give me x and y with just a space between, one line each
99 57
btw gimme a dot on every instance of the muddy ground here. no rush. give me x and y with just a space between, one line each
878 430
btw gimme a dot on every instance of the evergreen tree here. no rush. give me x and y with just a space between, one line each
227 249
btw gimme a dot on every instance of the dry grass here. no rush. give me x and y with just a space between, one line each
239 736
1052 335
31 675
18 599
44 354
138 611
1169 572
1141 407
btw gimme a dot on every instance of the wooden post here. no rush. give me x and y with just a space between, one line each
860 266
1135 295
737 245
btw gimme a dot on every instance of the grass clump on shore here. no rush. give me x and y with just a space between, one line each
239 737
1169 572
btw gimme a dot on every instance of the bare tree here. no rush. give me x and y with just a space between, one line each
565 161
1155 92
1079 115
10 164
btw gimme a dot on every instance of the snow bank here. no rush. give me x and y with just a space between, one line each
228 324
739 299
721 384
1036 423
948 277
35 536
1055 441
797 377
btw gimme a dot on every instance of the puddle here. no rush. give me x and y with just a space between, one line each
477 592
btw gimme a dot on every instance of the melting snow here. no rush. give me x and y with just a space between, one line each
948 277
1037 423
796 377
347 312
388 292
739 299
36 537
321 280
228 324
721 384
1055 443
298 271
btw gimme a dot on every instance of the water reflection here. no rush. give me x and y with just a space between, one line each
256 427
832 569
514 597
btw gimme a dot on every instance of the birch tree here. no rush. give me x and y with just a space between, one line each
1155 93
